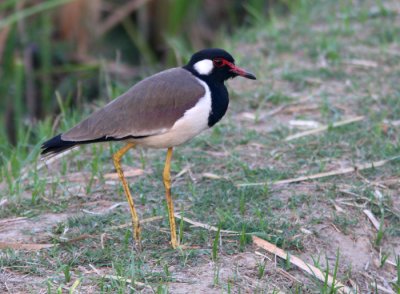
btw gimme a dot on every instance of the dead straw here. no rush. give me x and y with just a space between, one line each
324 128
201 225
337 172
301 264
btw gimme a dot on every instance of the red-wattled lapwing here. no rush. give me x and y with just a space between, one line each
162 111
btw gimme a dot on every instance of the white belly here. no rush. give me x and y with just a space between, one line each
193 122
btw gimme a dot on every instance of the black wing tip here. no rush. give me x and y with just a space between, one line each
56 145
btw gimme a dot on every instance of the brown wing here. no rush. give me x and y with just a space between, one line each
150 107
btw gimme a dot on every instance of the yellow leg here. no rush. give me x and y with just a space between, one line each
167 184
135 219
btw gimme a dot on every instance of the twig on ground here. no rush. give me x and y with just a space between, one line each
391 209
361 63
45 161
301 264
324 128
48 160
344 191
182 172
394 123
306 231
143 221
289 276
263 255
104 211
304 124
324 174
3 202
379 287
336 228
214 176
151 219
300 108
274 111
86 176
8 222
24 246
385 290
102 237
395 181
79 238
368 182
118 278
352 204
337 207
131 172
201 225
391 262
372 218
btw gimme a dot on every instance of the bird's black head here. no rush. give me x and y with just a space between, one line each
216 64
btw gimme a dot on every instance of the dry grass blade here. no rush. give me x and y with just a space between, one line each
341 171
201 225
45 161
374 284
304 124
394 123
372 218
182 172
24 246
338 208
3 202
262 255
306 231
301 108
274 111
213 176
8 222
131 172
86 176
79 238
143 221
301 264
361 63
104 211
385 290
118 278
151 219
289 276
391 262
324 128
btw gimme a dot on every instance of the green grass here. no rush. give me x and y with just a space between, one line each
286 55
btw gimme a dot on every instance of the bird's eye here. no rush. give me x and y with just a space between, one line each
218 62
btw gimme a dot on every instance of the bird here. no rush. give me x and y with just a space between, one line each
164 110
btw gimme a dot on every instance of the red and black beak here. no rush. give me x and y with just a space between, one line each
237 71
242 72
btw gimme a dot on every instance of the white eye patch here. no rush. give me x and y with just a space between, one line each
204 67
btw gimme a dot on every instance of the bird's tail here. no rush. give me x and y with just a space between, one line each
56 145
